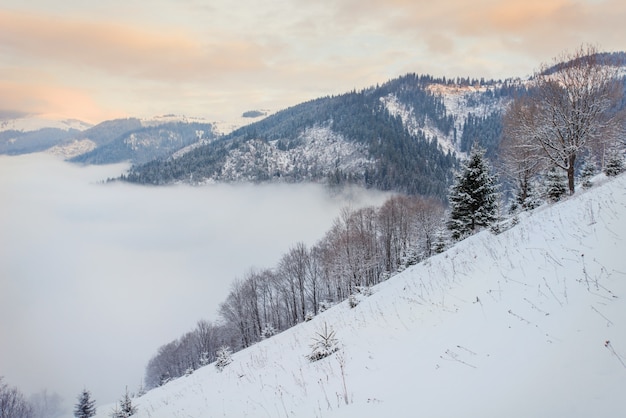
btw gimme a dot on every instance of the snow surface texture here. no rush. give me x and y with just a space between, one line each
527 323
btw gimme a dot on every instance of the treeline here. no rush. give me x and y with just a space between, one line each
363 247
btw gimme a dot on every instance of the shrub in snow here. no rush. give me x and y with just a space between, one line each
267 331
309 315
324 305
360 292
324 344
353 300
224 358
189 371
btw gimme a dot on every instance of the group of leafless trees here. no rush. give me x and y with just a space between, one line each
573 110
13 403
364 247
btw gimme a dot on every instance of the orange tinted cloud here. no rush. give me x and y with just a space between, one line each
519 14
51 101
124 50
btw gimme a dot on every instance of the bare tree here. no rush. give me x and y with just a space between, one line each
520 156
428 219
572 107
13 404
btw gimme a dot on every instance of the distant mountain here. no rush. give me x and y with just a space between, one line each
405 135
130 140
14 142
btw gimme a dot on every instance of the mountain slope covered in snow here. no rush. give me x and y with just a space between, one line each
529 322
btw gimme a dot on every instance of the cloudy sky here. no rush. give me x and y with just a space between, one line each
216 59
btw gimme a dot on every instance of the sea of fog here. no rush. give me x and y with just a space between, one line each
95 277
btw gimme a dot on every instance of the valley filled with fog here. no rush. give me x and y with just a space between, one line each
95 277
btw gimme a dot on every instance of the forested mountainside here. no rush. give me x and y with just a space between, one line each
15 142
130 140
404 135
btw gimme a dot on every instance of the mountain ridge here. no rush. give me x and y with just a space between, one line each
402 131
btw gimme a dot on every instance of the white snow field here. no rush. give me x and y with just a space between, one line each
527 323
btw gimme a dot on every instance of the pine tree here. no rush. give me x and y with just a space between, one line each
126 408
556 187
86 407
473 197
614 162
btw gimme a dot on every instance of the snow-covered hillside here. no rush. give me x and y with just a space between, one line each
527 323
459 102
318 152
34 123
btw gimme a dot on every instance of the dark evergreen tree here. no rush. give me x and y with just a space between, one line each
556 186
473 196
86 407
614 162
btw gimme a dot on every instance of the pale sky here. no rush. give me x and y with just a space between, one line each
216 59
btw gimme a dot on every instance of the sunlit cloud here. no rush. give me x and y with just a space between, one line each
166 54
51 101
162 56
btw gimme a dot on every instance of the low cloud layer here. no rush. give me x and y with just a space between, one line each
94 278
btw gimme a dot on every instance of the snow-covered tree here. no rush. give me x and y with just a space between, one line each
556 186
85 407
614 162
13 404
126 407
473 196
224 358
571 108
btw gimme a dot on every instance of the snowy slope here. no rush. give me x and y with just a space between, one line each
319 152
459 101
34 123
528 323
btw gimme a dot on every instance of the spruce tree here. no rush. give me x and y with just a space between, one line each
126 408
473 197
86 407
556 186
614 162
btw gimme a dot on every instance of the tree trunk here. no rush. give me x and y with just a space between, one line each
570 173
